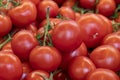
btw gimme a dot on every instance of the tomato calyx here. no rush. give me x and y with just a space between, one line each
46 35
81 10
115 26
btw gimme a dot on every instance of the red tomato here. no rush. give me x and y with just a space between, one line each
106 56
22 43
37 75
102 74
112 39
67 57
106 7
66 13
45 58
23 14
79 67
88 4
69 3
5 25
95 27
26 70
117 1
67 36
11 67
42 8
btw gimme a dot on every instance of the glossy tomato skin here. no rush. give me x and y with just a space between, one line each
66 13
95 27
37 75
42 8
45 58
23 14
102 74
106 56
112 39
79 67
106 7
88 4
5 25
67 57
67 36
22 43
11 66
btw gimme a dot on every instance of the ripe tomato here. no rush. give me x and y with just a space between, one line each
37 75
23 14
79 67
66 13
106 7
22 43
106 56
69 3
102 74
67 57
95 27
88 4
26 70
45 58
42 8
5 25
112 39
11 66
67 36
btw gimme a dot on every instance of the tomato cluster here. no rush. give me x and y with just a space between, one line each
59 39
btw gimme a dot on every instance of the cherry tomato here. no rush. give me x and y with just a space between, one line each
37 75
5 25
26 70
11 66
67 57
95 28
45 58
67 36
102 74
79 67
23 14
42 8
66 13
106 56
106 7
22 44
88 4
112 39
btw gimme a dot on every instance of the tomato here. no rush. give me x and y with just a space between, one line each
66 13
102 74
42 8
45 58
22 44
79 67
88 4
26 70
69 3
36 2
37 75
77 16
67 57
106 56
5 25
95 28
106 7
67 36
11 67
112 39
23 14
53 22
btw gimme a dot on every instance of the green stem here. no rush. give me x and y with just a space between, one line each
115 26
6 41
